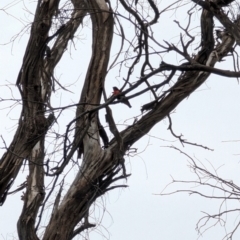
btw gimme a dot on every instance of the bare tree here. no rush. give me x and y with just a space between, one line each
224 190
102 163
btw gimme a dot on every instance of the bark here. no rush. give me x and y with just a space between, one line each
33 125
215 8
35 187
89 183
34 195
99 164
100 167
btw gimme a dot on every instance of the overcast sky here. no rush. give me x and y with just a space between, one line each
210 117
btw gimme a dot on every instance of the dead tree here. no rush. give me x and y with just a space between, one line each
101 166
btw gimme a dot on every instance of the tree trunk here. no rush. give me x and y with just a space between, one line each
100 167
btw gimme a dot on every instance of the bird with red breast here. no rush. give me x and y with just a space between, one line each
121 98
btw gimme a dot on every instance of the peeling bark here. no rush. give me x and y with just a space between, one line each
86 186
34 195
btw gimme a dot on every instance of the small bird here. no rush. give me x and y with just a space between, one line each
121 98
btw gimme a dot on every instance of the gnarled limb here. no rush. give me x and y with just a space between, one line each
90 179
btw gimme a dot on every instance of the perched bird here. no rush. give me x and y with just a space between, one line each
121 98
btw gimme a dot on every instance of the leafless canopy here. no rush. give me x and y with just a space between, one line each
102 160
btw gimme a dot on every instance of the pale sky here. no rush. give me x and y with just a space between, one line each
210 117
